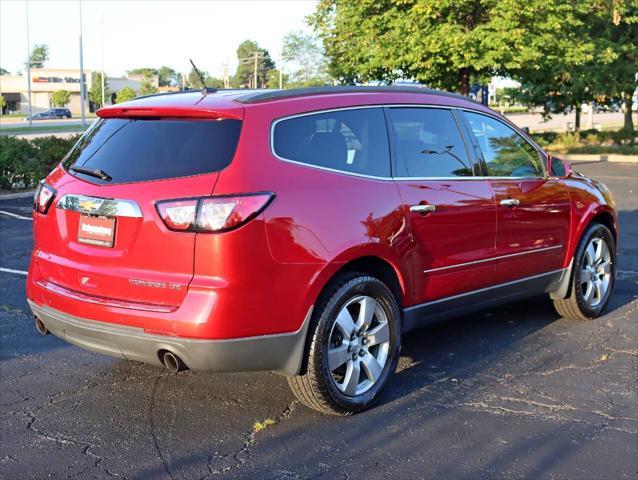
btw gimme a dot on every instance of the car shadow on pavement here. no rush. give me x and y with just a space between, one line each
443 368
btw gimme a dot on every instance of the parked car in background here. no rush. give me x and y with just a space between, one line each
612 107
307 232
53 113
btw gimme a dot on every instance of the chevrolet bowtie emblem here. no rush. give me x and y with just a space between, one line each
88 205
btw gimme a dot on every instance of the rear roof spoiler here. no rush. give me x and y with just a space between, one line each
167 112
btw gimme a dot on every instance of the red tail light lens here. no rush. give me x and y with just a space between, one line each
178 214
43 197
213 214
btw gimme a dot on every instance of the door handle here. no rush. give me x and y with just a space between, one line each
510 202
422 208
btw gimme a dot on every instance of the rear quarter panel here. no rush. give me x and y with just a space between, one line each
319 220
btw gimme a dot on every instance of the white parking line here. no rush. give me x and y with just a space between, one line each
9 214
10 270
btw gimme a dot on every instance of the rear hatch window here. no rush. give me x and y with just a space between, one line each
134 150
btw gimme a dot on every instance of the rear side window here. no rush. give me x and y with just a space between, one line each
354 141
134 150
428 143
505 152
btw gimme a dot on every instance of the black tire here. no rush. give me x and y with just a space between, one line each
575 306
316 387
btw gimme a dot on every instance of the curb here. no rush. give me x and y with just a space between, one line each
11 196
586 157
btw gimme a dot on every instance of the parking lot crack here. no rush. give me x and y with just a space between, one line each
633 353
86 448
156 441
239 457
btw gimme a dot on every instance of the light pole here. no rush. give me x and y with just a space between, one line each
28 64
103 82
82 88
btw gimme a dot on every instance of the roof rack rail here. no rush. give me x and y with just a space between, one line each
264 96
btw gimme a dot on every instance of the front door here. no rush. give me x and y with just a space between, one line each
450 213
533 209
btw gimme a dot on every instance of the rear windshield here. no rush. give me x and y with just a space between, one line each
134 150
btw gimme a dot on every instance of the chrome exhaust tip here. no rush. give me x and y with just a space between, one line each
41 327
172 362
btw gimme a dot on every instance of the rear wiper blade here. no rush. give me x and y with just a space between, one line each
93 172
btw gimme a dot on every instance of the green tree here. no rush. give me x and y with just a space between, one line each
195 82
125 94
143 71
273 79
594 55
448 44
60 98
3 103
168 76
303 54
4 72
246 53
616 31
95 94
147 86
39 55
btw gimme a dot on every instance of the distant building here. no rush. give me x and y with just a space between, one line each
45 81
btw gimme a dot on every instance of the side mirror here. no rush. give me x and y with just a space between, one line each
557 167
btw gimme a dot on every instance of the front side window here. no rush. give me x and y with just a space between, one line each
352 141
505 152
428 143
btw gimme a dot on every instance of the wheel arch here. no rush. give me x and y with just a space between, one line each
604 215
373 264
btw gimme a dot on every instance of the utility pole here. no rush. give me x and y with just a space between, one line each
82 93
255 76
281 74
29 65
103 81
225 74
252 58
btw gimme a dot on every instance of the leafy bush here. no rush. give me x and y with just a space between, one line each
16 156
24 162
590 141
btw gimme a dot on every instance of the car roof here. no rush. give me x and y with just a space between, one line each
252 96
231 103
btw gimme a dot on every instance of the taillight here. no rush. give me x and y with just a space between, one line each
212 214
43 197
178 214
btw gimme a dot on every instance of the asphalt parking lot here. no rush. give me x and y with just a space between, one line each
513 392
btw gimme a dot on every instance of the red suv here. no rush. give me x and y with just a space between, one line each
306 231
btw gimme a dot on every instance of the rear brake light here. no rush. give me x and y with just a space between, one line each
43 197
178 214
212 214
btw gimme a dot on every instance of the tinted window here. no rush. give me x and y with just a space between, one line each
353 141
506 153
428 143
135 150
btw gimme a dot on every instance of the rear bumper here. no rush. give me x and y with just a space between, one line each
281 353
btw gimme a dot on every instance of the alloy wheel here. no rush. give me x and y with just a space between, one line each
595 273
359 345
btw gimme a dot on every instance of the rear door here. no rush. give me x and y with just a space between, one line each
451 214
533 209
104 237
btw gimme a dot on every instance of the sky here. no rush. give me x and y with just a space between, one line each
146 33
